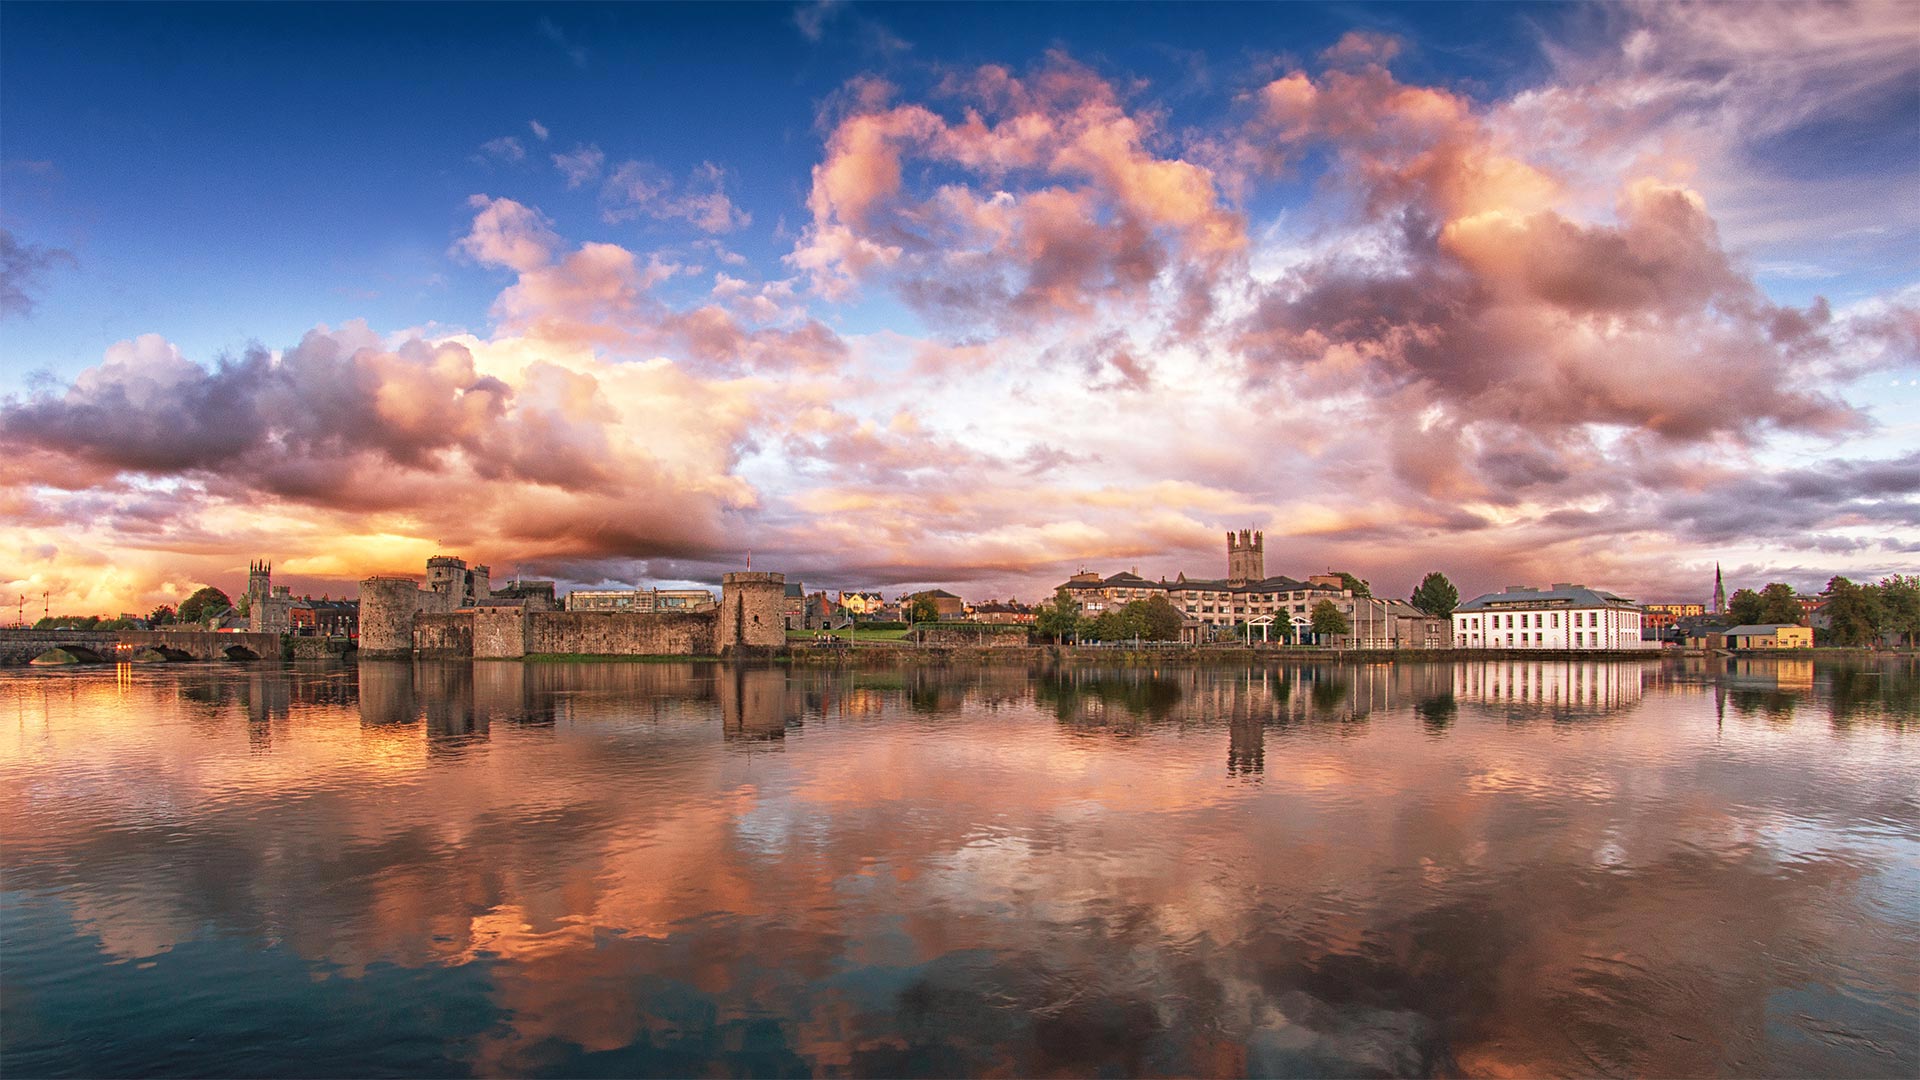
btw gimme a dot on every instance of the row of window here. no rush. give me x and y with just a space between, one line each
1592 638
1527 621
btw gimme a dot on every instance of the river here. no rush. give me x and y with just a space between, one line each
1673 868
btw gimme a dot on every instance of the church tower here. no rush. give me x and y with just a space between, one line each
1246 557
1719 592
259 580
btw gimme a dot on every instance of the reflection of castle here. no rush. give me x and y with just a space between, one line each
1570 684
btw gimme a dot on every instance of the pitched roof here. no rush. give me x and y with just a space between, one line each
1578 596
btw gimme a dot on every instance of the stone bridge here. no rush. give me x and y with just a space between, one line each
20 646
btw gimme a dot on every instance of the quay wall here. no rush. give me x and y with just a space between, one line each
621 633
443 636
499 633
387 608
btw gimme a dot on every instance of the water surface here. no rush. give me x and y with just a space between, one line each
1508 868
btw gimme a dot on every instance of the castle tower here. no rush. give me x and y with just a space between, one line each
752 618
1719 592
1246 557
259 580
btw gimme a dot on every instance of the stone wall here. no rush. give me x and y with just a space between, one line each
443 637
387 607
987 636
620 633
499 633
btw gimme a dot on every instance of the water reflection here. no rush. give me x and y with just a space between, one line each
685 868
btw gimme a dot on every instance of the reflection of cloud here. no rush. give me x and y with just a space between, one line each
939 873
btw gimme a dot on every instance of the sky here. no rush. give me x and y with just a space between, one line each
888 296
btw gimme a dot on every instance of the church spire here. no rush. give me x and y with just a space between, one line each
1719 592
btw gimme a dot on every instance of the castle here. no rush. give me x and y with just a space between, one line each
458 614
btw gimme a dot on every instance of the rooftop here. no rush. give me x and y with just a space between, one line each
1561 594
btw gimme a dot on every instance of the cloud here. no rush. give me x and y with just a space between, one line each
539 130
581 166
1029 323
1480 288
505 149
811 18
507 233
23 271
575 53
1055 204
637 189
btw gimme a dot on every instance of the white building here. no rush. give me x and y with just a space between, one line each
1565 617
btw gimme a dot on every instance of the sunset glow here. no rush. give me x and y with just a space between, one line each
965 296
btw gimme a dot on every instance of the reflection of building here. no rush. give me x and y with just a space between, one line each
1564 617
1562 684
753 704
1246 746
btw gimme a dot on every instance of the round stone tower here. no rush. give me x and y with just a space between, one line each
387 605
752 620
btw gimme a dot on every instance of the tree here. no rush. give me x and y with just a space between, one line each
1436 595
1329 621
1777 604
1160 620
1057 618
921 608
207 601
161 615
1853 613
1353 584
1900 605
1744 607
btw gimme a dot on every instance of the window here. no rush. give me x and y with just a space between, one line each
1556 622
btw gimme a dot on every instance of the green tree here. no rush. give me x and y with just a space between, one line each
1744 607
1330 621
1777 605
1436 595
1159 619
207 601
1900 606
1852 611
921 608
1353 584
1059 617
161 615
